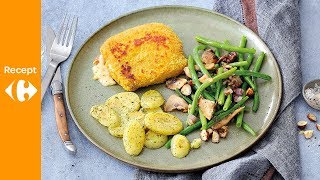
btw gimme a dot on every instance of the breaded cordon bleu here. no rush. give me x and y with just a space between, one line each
143 55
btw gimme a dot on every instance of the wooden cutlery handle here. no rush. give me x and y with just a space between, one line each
61 118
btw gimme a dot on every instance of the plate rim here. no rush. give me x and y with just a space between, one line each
181 170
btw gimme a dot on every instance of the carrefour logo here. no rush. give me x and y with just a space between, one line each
21 90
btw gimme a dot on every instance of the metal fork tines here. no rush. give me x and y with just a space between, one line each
60 50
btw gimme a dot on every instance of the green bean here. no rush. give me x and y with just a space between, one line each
195 79
208 83
243 44
253 74
249 129
249 60
217 52
228 102
256 101
224 46
208 96
247 108
244 87
198 61
256 68
240 119
250 82
216 66
203 120
192 96
185 131
240 115
226 113
238 64
218 112
222 97
193 72
218 84
168 143
178 92
258 63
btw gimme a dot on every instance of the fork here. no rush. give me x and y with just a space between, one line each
60 50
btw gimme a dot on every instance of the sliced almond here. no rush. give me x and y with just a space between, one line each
308 134
302 124
318 126
215 137
209 131
209 66
228 91
187 72
223 131
204 135
203 78
186 90
191 119
312 117
196 67
249 92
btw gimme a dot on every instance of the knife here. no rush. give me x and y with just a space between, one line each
57 93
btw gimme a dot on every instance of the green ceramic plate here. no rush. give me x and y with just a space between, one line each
187 22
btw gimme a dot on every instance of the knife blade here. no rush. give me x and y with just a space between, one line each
57 92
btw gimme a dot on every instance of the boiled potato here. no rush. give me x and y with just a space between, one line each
151 99
124 102
105 115
196 143
116 131
154 140
133 138
180 146
163 123
136 115
147 110
124 120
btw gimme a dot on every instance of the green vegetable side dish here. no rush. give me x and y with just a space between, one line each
231 78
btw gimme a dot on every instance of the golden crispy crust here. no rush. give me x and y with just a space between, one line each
144 55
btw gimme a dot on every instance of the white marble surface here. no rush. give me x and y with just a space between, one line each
90 162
